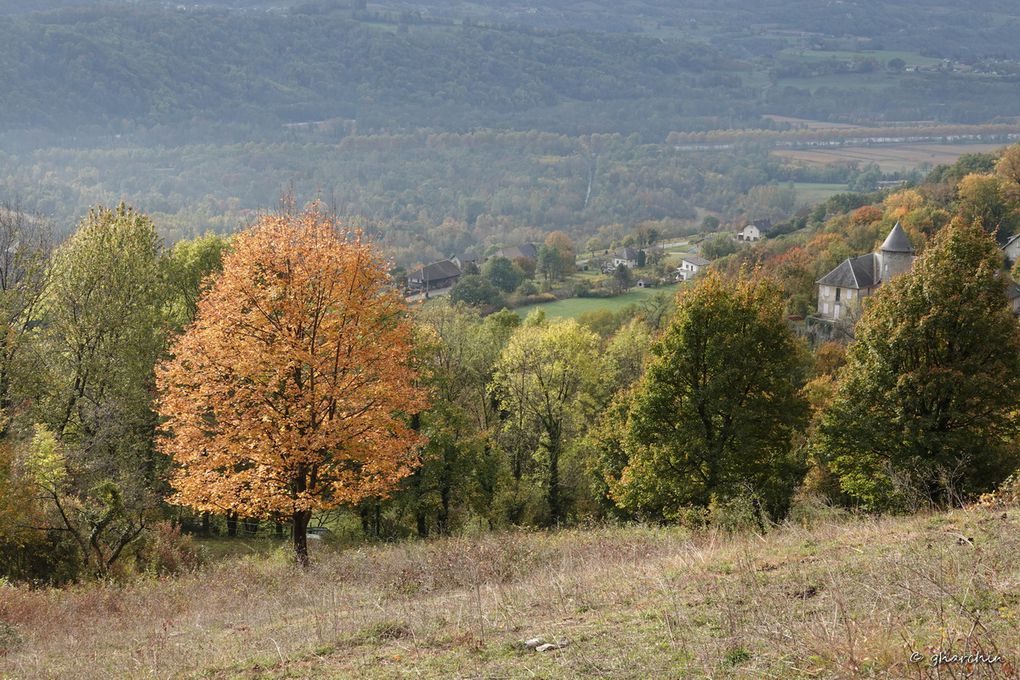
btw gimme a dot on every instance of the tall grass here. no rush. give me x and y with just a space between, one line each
839 598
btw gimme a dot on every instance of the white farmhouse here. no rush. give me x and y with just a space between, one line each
690 266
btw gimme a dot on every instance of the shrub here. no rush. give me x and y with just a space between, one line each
165 551
1007 495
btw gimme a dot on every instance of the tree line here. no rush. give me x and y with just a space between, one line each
278 376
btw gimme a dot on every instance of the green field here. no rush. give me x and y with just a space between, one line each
812 193
571 308
881 56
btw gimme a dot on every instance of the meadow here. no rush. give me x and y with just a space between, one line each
572 308
827 595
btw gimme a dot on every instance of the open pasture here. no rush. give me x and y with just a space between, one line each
571 308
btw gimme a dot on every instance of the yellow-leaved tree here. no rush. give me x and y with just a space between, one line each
290 391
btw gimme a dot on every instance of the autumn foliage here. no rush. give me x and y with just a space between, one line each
289 393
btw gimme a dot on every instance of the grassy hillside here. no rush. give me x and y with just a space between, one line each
823 597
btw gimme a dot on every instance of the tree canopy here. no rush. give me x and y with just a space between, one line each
715 415
926 407
289 393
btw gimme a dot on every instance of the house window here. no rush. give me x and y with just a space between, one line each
837 294
825 308
849 294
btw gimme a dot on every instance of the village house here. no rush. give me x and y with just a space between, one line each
626 256
525 251
755 231
689 267
465 259
1012 249
435 276
857 277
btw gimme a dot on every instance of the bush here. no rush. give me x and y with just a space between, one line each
1007 495
9 638
536 299
528 287
165 551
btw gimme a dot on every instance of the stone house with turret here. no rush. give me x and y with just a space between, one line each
857 277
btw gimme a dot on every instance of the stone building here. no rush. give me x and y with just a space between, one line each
857 277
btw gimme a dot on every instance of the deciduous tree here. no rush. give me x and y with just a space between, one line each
926 407
547 381
289 393
716 412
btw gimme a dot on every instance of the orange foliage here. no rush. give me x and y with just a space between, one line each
866 215
288 392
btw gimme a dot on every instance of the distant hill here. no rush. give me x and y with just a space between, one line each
640 66
103 66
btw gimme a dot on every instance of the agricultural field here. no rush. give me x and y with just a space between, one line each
808 124
571 308
880 56
810 193
891 158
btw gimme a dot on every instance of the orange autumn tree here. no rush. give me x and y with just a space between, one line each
289 393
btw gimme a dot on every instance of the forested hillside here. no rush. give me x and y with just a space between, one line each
445 126
83 67
119 67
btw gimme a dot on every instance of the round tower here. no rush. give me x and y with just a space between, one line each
897 254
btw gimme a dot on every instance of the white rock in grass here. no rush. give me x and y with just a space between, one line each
533 642
548 647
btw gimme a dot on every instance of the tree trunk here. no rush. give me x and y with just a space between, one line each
366 526
232 524
422 521
555 502
443 516
301 519
206 524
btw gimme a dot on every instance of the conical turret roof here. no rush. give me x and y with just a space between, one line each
897 241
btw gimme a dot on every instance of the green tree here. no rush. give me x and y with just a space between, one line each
926 407
622 278
547 382
565 249
458 350
502 273
550 264
718 246
187 266
103 334
715 415
476 291
989 201
24 256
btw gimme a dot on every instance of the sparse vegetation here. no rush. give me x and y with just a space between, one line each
831 598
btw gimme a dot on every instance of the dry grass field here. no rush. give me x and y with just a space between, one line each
824 597
891 158
808 124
